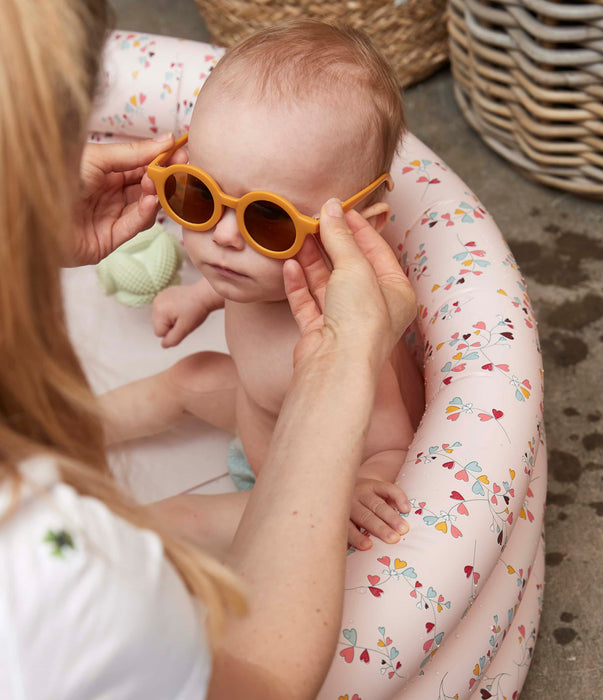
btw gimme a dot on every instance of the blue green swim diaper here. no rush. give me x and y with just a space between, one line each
238 466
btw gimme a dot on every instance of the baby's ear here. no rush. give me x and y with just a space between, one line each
377 215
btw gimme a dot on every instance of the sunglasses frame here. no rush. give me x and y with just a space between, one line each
303 224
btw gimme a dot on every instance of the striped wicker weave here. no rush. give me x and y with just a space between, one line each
410 33
529 78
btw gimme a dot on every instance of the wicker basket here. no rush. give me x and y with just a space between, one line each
529 78
410 33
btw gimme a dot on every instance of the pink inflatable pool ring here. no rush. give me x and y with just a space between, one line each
452 610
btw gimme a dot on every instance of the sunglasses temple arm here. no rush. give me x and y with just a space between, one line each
168 154
313 224
353 201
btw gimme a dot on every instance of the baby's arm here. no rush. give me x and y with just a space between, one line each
377 500
179 310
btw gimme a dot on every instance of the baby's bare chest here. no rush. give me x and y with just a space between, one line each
261 340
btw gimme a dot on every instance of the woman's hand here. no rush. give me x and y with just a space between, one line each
117 199
365 301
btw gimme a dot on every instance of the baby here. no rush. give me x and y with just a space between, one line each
302 112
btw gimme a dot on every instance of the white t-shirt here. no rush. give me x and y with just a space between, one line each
89 605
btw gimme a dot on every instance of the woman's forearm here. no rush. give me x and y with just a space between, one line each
210 521
289 547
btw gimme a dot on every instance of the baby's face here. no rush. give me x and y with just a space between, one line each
304 154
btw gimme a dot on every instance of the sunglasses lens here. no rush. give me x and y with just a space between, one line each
270 226
189 198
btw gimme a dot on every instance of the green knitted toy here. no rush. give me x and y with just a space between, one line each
140 268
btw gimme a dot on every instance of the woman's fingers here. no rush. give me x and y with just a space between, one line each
365 299
315 268
395 286
148 186
304 308
337 237
371 287
350 240
374 247
179 156
119 157
135 217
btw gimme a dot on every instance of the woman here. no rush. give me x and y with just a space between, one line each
97 597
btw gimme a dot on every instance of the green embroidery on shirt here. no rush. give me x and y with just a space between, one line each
60 539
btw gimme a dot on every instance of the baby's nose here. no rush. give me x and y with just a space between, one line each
226 232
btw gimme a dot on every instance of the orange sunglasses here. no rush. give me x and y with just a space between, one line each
268 222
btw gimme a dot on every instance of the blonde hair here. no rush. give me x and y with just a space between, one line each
310 60
49 57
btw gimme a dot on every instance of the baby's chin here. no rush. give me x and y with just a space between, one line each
247 291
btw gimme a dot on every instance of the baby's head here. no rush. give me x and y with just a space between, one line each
307 111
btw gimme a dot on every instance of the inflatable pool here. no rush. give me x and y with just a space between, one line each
451 611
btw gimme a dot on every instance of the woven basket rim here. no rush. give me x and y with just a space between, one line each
418 25
532 87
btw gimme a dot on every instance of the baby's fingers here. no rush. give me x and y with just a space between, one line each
162 321
175 334
394 495
356 539
380 520
383 500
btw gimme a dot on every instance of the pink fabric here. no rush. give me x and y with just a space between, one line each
452 611
149 84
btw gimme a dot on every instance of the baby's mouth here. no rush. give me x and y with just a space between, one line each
228 272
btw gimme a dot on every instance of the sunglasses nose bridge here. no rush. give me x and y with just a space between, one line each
227 200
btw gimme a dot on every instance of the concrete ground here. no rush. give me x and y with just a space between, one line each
557 239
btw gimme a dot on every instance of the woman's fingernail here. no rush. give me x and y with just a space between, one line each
148 197
334 207
163 137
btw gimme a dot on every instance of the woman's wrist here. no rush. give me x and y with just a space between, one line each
328 407
352 358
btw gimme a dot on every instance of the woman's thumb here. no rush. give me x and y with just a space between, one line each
336 235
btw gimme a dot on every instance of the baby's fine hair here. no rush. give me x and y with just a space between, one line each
309 60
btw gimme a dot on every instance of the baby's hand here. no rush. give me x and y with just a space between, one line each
375 508
176 312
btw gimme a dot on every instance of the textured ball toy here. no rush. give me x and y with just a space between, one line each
140 268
